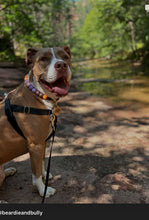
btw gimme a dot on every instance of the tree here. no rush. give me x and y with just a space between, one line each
35 23
113 27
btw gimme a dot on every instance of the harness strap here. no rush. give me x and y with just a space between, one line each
29 110
9 109
11 118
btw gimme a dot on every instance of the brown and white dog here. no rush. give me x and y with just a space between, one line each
50 74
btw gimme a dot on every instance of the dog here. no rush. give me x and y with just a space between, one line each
47 81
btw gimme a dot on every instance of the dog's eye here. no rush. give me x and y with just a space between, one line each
44 58
66 57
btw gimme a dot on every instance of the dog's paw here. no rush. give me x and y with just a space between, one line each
50 192
10 171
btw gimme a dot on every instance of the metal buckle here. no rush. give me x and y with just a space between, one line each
50 112
26 109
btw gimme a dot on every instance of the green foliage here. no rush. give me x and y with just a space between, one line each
112 27
93 28
38 23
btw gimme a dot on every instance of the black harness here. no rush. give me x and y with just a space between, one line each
9 109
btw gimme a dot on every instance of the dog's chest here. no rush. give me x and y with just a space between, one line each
48 104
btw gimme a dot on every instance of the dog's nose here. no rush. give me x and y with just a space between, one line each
60 65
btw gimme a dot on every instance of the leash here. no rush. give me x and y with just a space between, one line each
49 161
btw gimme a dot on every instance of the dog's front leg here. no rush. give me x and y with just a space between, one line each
44 172
36 156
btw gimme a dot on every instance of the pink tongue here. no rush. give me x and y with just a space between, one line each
62 90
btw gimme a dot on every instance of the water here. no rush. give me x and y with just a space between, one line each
124 83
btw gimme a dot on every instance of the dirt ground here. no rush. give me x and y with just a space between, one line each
100 155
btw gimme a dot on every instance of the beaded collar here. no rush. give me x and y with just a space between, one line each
34 90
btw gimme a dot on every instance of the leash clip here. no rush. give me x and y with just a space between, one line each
52 120
26 110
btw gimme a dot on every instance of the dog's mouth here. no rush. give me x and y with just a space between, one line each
59 87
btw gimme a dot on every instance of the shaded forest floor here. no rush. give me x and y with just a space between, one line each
100 154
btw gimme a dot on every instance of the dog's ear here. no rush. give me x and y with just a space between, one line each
30 55
67 49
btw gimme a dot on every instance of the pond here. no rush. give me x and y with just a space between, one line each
124 82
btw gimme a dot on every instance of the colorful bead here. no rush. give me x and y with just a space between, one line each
33 90
44 96
29 85
26 77
37 92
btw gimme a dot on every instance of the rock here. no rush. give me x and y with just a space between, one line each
105 199
58 177
120 181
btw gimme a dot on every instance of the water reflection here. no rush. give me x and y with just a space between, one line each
129 83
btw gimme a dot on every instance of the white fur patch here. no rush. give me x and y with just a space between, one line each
48 104
36 84
52 73
52 51
44 173
41 186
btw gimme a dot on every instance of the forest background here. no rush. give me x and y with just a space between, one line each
93 28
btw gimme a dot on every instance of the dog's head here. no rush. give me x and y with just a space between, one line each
51 68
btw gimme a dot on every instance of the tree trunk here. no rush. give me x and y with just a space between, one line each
133 43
